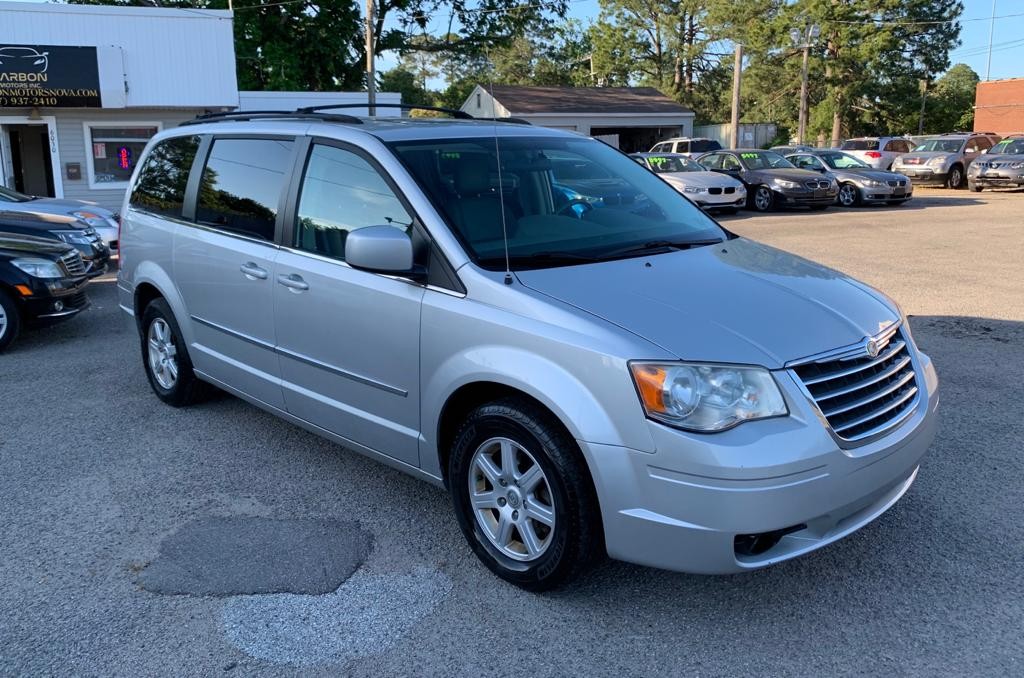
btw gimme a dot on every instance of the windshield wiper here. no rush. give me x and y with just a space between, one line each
660 246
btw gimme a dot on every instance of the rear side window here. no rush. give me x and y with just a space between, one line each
704 145
860 145
341 193
160 188
241 185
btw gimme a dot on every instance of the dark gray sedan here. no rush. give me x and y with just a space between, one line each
771 180
859 183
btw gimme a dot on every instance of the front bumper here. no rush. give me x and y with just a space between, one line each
997 178
46 306
804 198
887 193
691 504
736 199
922 175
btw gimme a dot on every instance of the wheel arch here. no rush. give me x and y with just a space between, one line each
152 282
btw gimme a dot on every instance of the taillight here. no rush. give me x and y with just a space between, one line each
120 222
873 154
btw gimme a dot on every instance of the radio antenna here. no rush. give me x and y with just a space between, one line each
501 182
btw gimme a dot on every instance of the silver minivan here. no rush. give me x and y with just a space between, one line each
529 318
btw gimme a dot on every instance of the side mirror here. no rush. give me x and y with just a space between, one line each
381 249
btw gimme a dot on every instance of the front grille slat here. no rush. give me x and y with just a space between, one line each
73 264
860 367
860 396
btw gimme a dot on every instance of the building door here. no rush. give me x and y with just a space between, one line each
30 166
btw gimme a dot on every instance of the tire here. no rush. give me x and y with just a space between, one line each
549 555
10 321
974 187
177 386
762 199
849 195
956 177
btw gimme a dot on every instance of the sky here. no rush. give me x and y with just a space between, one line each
1007 37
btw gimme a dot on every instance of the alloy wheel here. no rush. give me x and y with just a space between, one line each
3 321
956 178
847 195
163 362
763 199
511 499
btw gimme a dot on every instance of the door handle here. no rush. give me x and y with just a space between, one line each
252 271
293 282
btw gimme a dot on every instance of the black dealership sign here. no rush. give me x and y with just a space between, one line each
48 76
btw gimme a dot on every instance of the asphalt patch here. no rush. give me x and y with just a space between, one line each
248 555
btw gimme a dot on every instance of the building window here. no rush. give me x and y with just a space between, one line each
113 149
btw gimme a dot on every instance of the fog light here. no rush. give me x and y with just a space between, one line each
58 306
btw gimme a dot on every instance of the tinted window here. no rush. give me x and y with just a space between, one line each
729 162
342 192
241 185
704 145
860 145
160 188
757 160
713 161
806 162
983 143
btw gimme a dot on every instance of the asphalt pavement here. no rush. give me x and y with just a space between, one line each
126 522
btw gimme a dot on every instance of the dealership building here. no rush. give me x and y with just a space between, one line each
84 87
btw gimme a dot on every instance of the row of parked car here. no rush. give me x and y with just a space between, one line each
49 250
865 171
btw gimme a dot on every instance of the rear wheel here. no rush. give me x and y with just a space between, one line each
10 321
523 496
166 359
762 199
849 195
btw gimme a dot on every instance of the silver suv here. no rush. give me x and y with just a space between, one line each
530 319
944 159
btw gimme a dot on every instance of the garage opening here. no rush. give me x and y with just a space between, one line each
635 139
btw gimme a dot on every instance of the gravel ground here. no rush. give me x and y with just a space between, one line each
95 475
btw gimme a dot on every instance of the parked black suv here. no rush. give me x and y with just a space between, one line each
82 237
41 282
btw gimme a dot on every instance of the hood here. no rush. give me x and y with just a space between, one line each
33 218
14 245
1008 158
700 179
790 174
59 206
923 156
738 302
855 173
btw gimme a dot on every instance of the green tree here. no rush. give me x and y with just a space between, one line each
950 106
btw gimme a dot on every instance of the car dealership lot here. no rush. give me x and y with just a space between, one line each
126 522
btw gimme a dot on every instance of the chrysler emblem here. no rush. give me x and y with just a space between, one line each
872 348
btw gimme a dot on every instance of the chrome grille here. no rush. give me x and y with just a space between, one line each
861 396
73 264
817 184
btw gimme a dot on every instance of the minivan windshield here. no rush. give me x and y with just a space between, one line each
941 145
563 200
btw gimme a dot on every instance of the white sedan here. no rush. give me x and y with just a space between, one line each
710 190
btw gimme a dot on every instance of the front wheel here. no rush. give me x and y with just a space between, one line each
848 195
762 199
10 321
523 496
956 177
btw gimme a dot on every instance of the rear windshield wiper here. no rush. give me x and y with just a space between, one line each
660 246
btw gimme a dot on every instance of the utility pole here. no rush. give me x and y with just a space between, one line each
924 97
991 30
804 37
371 76
737 74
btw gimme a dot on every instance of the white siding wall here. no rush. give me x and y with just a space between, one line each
179 58
74 146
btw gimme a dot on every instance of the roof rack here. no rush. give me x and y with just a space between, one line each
455 113
272 115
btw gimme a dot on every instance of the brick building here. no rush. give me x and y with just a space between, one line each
999 106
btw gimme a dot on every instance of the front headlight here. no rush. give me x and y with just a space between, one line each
937 162
74 237
706 397
871 183
39 268
785 183
694 189
90 218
